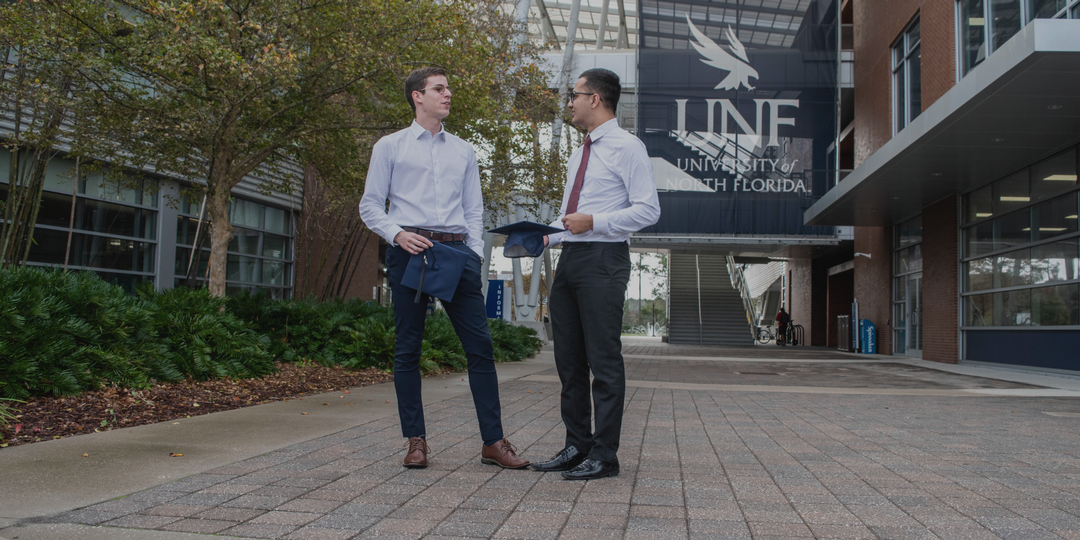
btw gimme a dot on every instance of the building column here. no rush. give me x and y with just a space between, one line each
941 295
873 281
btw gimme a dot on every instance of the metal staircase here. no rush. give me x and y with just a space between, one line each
705 308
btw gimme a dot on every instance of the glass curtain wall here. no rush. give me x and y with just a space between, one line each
1021 262
260 253
985 25
113 225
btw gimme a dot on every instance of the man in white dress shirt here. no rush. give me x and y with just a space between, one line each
610 193
432 182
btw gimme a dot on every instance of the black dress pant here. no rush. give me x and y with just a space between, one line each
587 299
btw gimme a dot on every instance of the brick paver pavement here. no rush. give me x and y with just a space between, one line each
696 463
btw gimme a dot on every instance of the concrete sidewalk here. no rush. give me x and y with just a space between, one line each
733 443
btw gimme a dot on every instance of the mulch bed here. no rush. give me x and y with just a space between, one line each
47 418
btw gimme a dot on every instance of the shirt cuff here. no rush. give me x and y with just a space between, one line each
600 223
555 239
392 233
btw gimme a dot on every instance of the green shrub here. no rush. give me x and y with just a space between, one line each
203 339
63 333
7 414
513 343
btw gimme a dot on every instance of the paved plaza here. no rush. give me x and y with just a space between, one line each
734 443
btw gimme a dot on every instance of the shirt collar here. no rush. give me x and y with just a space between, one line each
604 128
417 131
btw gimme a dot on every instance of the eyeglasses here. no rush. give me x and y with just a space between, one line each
574 95
439 89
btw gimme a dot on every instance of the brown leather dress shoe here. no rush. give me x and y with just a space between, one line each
417 456
502 454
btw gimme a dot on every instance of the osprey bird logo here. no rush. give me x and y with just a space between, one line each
738 66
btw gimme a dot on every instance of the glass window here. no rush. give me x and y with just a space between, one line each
979 310
980 239
130 191
1056 261
979 204
1045 9
111 253
908 260
1012 229
909 232
246 213
244 241
273 272
1014 308
1013 191
1053 176
115 219
980 274
907 82
275 246
183 258
1005 17
1053 218
242 269
1012 269
277 220
1055 306
973 34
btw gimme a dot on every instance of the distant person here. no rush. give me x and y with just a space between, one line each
782 322
433 183
610 193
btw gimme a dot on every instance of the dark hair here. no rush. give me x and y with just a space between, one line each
417 79
605 83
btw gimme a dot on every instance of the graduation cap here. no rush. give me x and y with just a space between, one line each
435 271
525 238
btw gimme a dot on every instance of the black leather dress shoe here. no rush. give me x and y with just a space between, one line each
591 469
565 460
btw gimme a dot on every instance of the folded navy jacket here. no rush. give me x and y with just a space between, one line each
524 238
436 271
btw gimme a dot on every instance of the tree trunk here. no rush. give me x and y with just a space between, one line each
221 233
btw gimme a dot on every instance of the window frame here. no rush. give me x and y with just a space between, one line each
903 54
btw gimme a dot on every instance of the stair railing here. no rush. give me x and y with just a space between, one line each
738 281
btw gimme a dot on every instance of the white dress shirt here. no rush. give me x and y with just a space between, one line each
432 182
618 190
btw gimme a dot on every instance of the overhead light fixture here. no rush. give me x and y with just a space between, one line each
1051 229
983 214
1071 217
1015 199
1054 107
1061 177
976 21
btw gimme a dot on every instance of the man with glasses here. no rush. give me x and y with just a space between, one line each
610 193
432 182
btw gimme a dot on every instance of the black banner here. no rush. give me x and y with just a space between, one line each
737 106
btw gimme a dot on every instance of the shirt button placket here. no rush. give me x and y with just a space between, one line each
435 177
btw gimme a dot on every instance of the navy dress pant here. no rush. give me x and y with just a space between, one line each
468 313
586 319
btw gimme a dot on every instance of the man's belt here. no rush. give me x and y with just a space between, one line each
436 235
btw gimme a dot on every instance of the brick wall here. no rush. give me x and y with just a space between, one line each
321 244
940 294
873 281
877 26
808 292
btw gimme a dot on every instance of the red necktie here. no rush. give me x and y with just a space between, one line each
575 193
